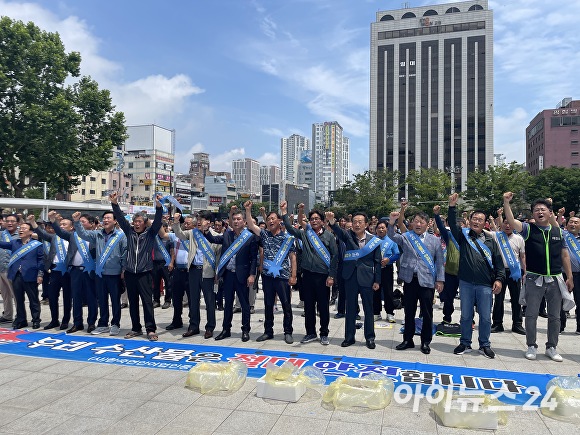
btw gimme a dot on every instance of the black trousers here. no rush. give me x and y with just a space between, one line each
498 302
272 287
414 293
161 272
353 289
385 293
180 278
59 280
315 293
199 285
30 289
232 287
139 286
447 296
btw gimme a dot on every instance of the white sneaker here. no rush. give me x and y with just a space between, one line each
114 330
391 318
378 317
553 355
531 353
100 330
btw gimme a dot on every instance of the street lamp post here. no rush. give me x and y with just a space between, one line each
44 211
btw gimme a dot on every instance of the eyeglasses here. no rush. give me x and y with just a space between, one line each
315 218
477 219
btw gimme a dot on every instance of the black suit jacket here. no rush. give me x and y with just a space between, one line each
367 268
246 257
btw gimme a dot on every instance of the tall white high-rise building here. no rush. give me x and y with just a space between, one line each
329 159
432 89
246 175
291 151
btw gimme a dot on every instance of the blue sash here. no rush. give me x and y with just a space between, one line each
205 247
185 244
274 266
572 244
46 247
169 198
453 239
108 249
317 245
386 243
83 247
485 249
355 254
60 254
23 250
444 247
234 248
163 250
6 236
421 251
508 253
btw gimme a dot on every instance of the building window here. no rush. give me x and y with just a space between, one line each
84 178
147 164
574 142
91 192
147 188
83 191
130 165
103 181
93 178
115 184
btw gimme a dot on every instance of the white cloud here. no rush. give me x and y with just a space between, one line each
223 162
269 159
272 131
510 134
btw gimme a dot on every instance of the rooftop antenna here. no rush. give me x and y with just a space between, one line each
406 5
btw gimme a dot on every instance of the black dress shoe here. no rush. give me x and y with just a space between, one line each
20 325
347 343
63 326
245 336
173 326
518 329
190 332
264 337
371 343
124 305
497 328
51 325
543 314
91 328
425 348
208 334
156 304
405 345
220 308
224 334
35 325
75 329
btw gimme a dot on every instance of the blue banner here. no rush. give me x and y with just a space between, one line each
516 388
83 248
244 236
161 248
60 259
107 250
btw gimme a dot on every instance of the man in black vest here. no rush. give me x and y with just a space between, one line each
546 258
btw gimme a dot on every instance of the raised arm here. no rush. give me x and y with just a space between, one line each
341 234
440 224
452 216
119 216
56 227
157 223
287 224
249 221
509 214
90 236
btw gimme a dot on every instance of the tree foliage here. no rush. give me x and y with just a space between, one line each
427 187
485 189
50 131
371 192
560 184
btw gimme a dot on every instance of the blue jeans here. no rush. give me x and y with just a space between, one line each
471 295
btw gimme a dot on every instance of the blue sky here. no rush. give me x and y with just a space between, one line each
232 77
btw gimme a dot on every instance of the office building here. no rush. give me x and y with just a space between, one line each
552 138
291 151
329 158
432 89
246 175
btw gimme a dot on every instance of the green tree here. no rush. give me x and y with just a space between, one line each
50 131
371 192
485 189
427 187
560 184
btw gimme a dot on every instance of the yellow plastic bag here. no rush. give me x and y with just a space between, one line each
213 377
563 402
289 374
355 394
478 411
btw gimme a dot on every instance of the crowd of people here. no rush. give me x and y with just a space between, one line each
108 263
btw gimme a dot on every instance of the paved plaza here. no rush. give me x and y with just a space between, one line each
50 396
